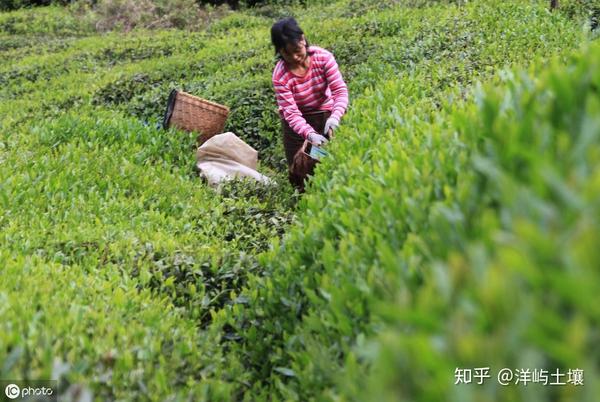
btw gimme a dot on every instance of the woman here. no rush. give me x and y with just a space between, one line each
311 94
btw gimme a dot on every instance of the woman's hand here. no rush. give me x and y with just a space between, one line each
316 139
331 124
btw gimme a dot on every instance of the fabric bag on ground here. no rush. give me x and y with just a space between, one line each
224 157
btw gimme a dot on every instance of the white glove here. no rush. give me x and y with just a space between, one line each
316 139
331 124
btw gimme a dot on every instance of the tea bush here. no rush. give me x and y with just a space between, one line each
15 4
505 255
461 242
372 235
586 10
46 21
159 288
128 204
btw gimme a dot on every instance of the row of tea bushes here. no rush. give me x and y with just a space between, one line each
115 254
93 192
231 63
466 242
398 269
506 258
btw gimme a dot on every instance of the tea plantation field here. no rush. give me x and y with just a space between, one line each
455 225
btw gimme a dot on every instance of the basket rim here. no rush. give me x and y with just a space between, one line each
226 108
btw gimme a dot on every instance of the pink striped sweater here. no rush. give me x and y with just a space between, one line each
321 88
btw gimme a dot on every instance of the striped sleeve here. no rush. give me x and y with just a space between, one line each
289 109
339 90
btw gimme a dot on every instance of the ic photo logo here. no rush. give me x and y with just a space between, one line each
12 391
30 390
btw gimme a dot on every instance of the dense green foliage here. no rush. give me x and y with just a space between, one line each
106 229
15 4
583 9
445 221
415 254
506 253
124 5
464 241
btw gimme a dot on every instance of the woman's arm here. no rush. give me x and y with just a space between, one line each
290 111
339 90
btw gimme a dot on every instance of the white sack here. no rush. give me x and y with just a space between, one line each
225 156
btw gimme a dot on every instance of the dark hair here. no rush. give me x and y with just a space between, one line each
286 32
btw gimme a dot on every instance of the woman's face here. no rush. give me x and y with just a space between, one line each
295 54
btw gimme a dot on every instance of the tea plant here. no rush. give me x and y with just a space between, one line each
123 272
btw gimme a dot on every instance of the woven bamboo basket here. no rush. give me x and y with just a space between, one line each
191 113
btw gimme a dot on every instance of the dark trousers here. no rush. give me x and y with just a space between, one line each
293 141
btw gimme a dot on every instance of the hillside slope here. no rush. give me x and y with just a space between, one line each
122 272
